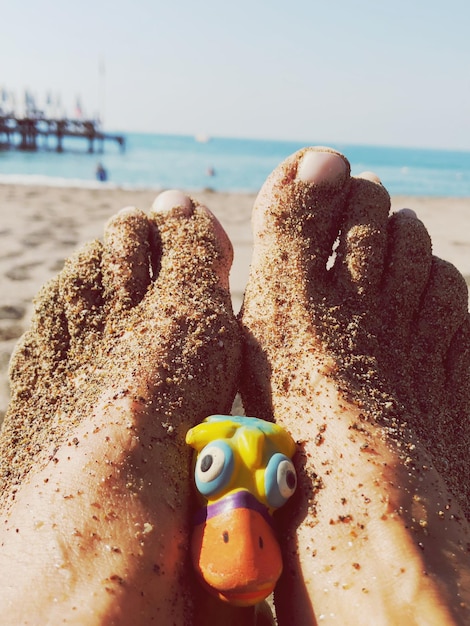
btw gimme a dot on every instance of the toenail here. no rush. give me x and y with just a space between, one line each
370 176
408 213
122 216
321 167
172 199
128 210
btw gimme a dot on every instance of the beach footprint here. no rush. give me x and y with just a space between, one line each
133 343
367 365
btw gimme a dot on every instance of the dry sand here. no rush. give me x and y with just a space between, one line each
41 226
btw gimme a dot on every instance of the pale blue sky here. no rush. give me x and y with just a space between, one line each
370 72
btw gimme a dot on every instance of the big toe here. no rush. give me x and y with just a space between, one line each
307 192
188 242
296 219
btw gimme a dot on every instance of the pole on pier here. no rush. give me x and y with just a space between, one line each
60 133
102 73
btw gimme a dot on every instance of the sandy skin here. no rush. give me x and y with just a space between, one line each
361 364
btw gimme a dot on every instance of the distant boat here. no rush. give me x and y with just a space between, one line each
202 138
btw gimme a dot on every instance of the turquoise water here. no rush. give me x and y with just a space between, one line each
162 161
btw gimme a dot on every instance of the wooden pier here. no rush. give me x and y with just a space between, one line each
32 133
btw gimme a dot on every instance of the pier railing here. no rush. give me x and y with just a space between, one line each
23 133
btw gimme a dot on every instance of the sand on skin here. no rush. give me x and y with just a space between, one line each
41 226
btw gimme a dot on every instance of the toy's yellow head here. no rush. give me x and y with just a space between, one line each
237 453
244 471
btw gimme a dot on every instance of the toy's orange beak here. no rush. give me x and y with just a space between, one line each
237 555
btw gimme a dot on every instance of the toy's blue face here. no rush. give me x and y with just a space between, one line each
244 471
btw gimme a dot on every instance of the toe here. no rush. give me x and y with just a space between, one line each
126 268
407 268
43 349
440 359
298 212
81 290
458 369
408 264
362 244
188 244
296 220
458 392
443 310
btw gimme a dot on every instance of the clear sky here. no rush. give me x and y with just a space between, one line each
339 71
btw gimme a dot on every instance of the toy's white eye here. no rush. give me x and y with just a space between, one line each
214 467
286 478
210 463
280 480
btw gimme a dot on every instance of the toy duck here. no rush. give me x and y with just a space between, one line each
243 472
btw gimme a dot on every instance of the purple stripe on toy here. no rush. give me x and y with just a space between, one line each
237 500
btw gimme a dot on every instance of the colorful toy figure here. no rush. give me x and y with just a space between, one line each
243 471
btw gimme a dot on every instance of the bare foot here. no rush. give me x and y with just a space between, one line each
131 345
365 360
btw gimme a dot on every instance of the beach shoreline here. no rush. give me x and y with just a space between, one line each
41 226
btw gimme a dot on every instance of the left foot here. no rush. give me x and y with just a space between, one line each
131 345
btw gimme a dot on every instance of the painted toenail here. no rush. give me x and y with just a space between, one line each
370 176
408 213
172 199
321 167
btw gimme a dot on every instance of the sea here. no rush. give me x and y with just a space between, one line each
155 161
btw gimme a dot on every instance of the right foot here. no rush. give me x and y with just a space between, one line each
367 365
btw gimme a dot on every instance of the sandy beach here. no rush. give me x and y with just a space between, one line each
41 226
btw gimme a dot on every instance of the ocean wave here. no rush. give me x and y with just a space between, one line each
41 180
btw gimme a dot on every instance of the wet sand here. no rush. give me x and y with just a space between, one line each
41 226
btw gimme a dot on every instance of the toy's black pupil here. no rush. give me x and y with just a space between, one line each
291 480
206 462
